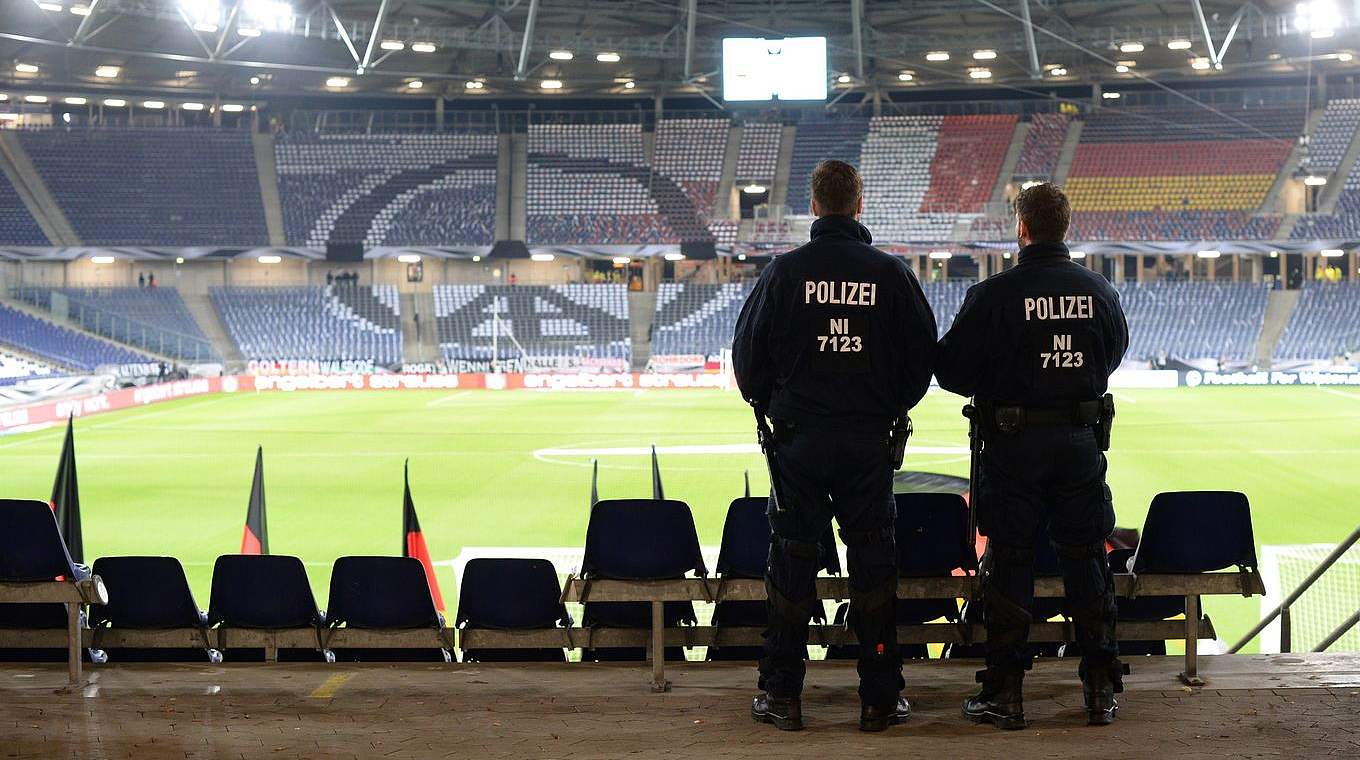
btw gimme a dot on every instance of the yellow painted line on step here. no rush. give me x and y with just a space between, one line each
331 685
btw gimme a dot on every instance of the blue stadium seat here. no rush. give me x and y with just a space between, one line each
511 594
383 593
744 552
148 593
31 551
267 591
1196 532
638 539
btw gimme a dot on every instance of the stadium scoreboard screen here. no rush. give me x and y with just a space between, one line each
756 69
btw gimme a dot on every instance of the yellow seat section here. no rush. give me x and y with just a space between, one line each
1203 192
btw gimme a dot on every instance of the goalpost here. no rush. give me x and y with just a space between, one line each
1327 604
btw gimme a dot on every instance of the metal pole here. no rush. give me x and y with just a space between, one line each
373 36
1322 567
1034 71
79 36
344 33
521 71
689 37
857 29
1204 28
1338 633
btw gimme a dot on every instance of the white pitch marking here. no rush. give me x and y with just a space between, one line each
705 449
446 399
1336 392
1125 398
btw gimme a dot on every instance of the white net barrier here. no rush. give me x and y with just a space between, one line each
1327 604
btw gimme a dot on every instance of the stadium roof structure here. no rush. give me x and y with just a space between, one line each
507 48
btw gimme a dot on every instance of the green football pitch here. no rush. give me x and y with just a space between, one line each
507 469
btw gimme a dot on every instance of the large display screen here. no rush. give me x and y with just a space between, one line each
793 68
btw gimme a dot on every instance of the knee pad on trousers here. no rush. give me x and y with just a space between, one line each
796 558
874 550
998 607
1086 572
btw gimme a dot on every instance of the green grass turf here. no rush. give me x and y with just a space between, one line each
174 478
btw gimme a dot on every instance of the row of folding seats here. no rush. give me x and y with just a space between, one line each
1151 158
330 323
643 539
1193 122
416 189
967 162
696 318
1333 135
1172 225
180 187
758 156
1238 192
17 225
818 140
1344 222
1324 325
1043 145
896 161
691 152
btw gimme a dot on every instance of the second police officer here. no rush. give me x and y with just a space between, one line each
1035 346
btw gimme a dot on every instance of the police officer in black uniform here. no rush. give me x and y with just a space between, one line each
835 344
1035 346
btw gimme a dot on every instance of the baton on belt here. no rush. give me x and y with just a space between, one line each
765 437
971 411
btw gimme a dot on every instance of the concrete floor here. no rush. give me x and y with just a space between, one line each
1285 706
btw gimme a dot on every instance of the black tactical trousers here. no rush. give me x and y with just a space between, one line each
1054 478
848 476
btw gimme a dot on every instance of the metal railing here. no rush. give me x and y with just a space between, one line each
144 335
1282 611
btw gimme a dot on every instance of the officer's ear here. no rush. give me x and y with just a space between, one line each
1021 230
859 206
815 211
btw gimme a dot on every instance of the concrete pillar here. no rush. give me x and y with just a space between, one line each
439 113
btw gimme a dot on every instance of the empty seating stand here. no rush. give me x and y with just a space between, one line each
568 326
156 319
16 369
1324 325
758 154
334 323
48 340
1180 173
388 189
696 318
1194 320
17 225
177 186
1043 145
1332 138
1344 223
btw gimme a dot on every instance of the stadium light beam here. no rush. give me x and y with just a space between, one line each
35 98
409 258
1211 253
550 84
392 45
1178 44
980 74
1131 47
115 102
415 84
1312 180
107 72
1077 254
541 258
233 107
1332 253
561 55
26 68
80 10
192 106
753 189
337 82
474 85
50 7
423 47
984 55
674 257
75 101
1200 64
1111 95
1320 18
154 105
608 57
269 258
937 56
941 255
102 259
622 260
906 76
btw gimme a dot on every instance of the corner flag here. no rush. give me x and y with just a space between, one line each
413 540
255 537
657 491
65 500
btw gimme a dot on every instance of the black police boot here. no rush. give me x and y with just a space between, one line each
878 718
1099 684
784 713
1000 701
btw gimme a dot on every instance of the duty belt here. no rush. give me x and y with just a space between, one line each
1011 418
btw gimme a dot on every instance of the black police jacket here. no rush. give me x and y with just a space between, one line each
1045 331
836 334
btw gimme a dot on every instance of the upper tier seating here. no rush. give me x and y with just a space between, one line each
14 369
1325 323
17 226
1182 173
181 187
1333 135
945 298
590 184
758 157
173 330
1345 223
338 322
967 162
565 324
1193 320
1043 145
49 340
420 189
815 141
691 152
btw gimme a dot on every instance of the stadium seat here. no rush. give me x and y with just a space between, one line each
31 551
149 593
1142 609
383 593
1196 532
638 539
264 591
744 553
511 595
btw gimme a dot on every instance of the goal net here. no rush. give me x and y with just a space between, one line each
1327 604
